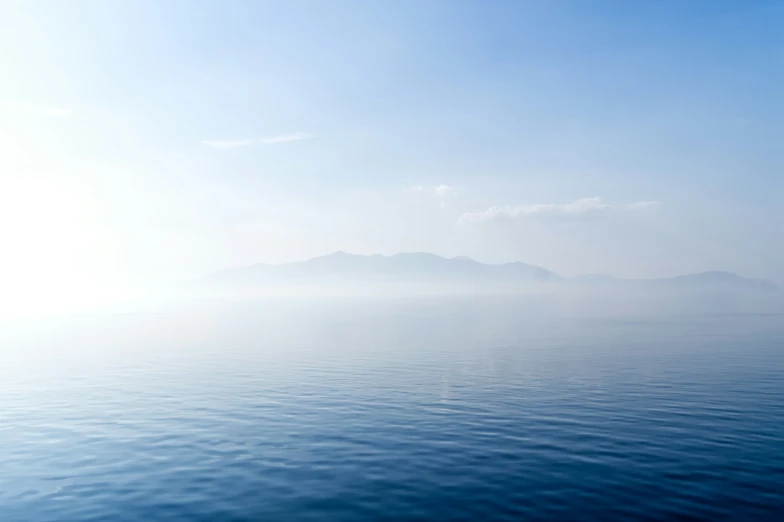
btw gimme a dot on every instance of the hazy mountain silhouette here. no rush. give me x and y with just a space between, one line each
422 268
701 279
414 266
596 278
717 278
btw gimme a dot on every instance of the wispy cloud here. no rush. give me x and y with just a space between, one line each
445 191
578 210
227 144
442 192
644 205
280 138
48 111
283 138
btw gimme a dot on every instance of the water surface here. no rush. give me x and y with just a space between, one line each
529 408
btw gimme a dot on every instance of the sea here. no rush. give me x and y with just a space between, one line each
428 408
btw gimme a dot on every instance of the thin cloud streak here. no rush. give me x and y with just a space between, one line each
444 191
283 138
441 192
227 144
280 138
579 210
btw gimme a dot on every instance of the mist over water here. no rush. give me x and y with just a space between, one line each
391 261
580 406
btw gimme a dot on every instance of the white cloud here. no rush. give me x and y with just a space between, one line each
227 144
442 192
643 205
283 138
280 138
578 210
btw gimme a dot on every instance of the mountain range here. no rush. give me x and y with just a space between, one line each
422 267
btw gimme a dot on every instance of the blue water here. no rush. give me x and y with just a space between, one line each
424 409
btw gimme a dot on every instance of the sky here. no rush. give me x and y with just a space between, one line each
147 141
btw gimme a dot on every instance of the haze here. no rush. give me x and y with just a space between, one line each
145 143
391 260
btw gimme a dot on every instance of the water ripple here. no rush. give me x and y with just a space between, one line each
395 411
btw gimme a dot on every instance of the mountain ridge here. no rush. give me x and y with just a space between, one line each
421 267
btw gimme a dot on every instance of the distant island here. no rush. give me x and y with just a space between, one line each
421 269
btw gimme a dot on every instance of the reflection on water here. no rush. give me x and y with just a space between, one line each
425 409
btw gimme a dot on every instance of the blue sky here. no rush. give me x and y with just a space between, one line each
163 140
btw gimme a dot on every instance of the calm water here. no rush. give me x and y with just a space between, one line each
424 409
